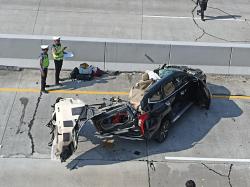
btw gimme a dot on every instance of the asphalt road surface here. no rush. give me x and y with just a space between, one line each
210 147
226 21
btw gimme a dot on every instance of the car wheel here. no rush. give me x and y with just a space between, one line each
162 132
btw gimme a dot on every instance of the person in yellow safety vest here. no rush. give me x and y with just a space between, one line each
44 64
58 53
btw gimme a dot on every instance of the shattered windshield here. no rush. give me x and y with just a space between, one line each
166 72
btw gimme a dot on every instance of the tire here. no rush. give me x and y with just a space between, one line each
162 133
58 99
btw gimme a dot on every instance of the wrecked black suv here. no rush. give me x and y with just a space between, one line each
162 103
155 103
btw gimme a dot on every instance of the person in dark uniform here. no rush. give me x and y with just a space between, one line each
203 7
58 53
44 64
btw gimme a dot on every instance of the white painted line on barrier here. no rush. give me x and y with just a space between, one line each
199 159
196 18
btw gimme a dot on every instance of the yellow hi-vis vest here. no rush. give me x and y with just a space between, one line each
45 60
58 52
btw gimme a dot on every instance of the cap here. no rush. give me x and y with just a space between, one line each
56 38
44 46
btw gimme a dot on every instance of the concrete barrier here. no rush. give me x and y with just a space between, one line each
240 61
130 55
211 58
19 48
139 53
200 55
241 56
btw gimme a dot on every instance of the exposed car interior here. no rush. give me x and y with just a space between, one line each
153 106
137 92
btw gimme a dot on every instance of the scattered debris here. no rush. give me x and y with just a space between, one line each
137 153
85 72
108 143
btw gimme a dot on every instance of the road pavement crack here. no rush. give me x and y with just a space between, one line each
204 32
229 175
148 164
31 123
213 170
220 174
198 38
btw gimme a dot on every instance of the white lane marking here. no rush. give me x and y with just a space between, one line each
196 18
207 159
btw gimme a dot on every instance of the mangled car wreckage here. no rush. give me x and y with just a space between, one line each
154 105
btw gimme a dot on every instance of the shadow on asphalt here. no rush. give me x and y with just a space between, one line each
69 84
222 17
191 128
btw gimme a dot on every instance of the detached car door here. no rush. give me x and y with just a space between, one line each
203 94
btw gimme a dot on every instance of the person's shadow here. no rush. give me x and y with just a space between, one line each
207 17
69 84
188 131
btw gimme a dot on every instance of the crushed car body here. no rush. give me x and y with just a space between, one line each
64 127
154 105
